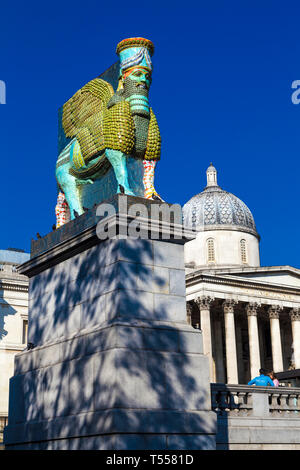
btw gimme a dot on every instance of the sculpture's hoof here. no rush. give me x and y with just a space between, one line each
123 190
156 197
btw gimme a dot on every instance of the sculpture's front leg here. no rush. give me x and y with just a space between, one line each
118 161
62 210
70 188
148 180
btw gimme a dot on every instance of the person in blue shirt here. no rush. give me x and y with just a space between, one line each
262 380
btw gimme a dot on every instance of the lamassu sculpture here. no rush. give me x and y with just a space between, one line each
103 129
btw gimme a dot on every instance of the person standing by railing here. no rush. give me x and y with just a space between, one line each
262 380
274 379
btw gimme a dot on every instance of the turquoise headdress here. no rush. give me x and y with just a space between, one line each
135 52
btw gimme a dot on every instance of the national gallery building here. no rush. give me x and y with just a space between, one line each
249 314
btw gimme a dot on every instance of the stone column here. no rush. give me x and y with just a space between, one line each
189 310
251 310
295 318
239 352
273 312
220 371
204 303
230 341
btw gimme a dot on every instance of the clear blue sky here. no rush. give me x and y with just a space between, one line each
221 92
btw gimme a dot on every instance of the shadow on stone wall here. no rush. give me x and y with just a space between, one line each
108 374
5 310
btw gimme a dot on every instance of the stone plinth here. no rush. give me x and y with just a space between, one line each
115 364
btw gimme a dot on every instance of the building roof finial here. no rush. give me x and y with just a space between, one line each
211 174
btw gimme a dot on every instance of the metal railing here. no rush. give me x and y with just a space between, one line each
243 400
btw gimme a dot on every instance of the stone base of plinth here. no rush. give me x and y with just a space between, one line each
115 364
118 386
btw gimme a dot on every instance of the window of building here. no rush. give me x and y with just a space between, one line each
211 258
244 251
25 331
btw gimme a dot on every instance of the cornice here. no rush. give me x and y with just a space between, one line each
236 270
118 224
193 279
14 286
228 227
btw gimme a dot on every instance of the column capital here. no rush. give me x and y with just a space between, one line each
204 301
228 305
274 311
295 314
251 308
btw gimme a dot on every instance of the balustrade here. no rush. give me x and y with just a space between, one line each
243 400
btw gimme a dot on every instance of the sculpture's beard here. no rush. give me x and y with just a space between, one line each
136 93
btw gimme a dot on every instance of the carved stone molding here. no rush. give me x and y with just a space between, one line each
204 302
295 314
228 305
274 311
252 308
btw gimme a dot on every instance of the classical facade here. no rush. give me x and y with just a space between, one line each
249 314
13 321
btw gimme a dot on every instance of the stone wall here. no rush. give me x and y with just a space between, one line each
114 278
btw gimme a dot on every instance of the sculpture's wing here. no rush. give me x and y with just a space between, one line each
83 116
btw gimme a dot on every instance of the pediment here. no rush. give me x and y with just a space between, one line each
279 275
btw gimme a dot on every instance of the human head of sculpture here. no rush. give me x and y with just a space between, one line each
139 76
135 65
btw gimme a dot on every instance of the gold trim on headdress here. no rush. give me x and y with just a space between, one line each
135 42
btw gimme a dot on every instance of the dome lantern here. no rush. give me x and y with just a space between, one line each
211 174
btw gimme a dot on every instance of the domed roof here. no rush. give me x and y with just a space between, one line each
216 209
